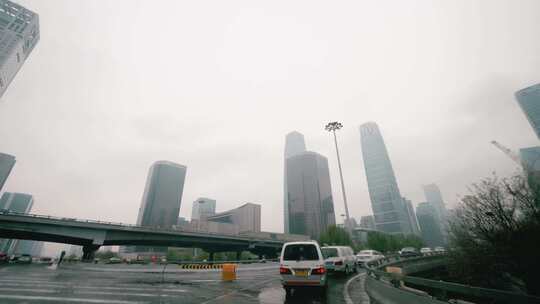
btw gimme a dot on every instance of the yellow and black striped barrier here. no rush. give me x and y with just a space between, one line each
201 266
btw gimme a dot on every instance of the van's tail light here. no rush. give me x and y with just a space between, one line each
284 270
339 263
320 270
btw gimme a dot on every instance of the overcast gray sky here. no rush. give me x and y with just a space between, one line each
215 85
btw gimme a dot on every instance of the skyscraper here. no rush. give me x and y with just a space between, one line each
430 226
203 207
309 194
20 203
19 33
367 221
388 207
529 101
433 196
162 196
413 221
6 164
294 144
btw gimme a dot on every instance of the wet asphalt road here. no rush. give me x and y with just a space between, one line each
130 284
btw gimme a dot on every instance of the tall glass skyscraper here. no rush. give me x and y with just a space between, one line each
294 144
19 33
529 100
309 194
6 164
162 197
413 221
430 225
20 203
388 206
434 196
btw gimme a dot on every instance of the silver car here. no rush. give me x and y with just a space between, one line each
302 264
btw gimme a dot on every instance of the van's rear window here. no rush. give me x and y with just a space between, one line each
301 252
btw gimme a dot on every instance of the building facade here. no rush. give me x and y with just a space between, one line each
367 222
203 207
6 165
20 203
309 194
294 144
386 201
160 205
247 217
529 101
19 34
413 221
430 225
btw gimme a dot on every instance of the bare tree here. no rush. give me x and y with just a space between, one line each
495 235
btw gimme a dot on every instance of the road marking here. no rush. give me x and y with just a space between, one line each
237 291
53 285
63 299
27 290
346 294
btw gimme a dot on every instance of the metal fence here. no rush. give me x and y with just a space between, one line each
384 285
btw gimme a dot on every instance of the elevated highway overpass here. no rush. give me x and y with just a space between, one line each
93 234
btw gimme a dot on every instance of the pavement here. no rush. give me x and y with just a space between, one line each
130 284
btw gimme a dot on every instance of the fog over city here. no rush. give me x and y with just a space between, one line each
114 86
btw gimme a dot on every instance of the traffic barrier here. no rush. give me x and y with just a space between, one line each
201 266
228 272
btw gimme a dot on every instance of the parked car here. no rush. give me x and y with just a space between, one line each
21 259
439 250
367 256
409 252
339 259
3 258
114 260
302 264
426 251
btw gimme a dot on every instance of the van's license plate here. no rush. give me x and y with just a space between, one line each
301 273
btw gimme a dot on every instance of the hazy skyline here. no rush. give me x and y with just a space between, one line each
113 87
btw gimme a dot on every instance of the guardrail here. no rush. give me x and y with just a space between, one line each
440 290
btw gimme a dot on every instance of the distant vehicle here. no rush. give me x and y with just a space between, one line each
21 259
366 256
4 210
408 252
426 251
439 250
3 258
45 260
339 259
302 264
114 260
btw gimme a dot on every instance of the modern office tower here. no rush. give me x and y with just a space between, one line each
433 195
529 101
294 144
530 159
367 221
14 202
430 226
162 197
203 207
309 193
413 221
32 248
6 164
247 217
19 33
386 202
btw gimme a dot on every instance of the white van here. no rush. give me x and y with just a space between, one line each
302 264
339 258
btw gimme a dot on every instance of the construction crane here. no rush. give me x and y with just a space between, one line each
508 152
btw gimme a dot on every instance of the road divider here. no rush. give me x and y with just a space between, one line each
201 266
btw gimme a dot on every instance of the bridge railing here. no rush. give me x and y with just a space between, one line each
157 229
440 290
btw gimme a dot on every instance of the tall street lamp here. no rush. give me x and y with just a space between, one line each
332 127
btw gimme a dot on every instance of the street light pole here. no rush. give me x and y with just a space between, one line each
332 127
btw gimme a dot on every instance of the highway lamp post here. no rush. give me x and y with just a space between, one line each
332 127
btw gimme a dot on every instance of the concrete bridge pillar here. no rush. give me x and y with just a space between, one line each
211 256
88 252
238 255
